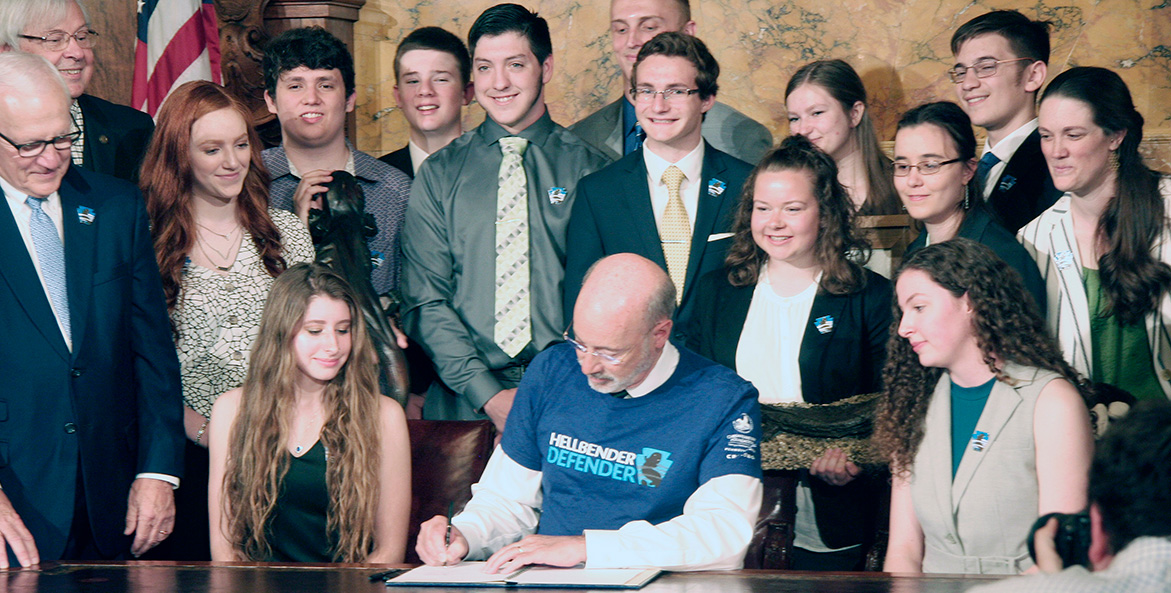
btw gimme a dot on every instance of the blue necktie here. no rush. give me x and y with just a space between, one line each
634 138
51 256
985 165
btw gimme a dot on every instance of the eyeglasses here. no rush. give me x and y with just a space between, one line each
36 147
582 348
984 68
924 167
59 40
648 95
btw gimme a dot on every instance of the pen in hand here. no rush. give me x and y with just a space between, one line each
447 536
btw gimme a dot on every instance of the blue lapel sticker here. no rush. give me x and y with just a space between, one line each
979 441
824 324
715 187
1007 182
556 195
1063 258
85 215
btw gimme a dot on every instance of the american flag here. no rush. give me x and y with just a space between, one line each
178 41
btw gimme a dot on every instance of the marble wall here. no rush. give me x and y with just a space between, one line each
900 47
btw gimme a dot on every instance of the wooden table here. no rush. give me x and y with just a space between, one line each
223 577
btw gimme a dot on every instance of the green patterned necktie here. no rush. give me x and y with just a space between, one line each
513 329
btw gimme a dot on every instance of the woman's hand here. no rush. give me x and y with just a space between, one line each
835 468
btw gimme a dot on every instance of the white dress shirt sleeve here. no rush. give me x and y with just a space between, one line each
505 506
712 533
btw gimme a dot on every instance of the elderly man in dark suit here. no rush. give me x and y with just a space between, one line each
672 200
90 408
614 130
113 137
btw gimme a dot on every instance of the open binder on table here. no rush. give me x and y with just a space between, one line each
471 574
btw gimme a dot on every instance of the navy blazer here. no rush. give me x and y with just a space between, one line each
1024 189
113 404
980 226
840 363
116 137
401 160
612 214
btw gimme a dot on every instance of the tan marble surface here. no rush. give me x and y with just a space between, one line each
900 48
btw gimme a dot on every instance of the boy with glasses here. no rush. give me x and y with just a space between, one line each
1001 64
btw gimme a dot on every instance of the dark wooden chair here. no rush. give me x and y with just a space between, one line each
772 540
447 457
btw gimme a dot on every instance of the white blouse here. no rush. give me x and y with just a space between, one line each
770 343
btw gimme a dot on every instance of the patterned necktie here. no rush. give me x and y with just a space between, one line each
634 137
51 256
675 231
513 328
985 165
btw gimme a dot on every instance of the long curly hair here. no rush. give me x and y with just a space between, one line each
258 458
166 182
842 82
1005 322
838 241
1133 280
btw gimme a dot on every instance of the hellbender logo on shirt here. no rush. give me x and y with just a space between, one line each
647 468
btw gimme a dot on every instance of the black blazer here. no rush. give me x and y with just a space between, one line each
401 160
116 137
1024 189
612 214
111 407
840 363
980 226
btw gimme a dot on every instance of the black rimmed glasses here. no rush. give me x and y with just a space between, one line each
59 40
984 68
647 95
36 147
582 348
924 167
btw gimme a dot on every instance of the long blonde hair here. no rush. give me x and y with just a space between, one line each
257 455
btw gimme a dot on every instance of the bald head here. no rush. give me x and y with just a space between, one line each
629 287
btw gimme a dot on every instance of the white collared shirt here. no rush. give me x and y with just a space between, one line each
663 369
692 167
22 214
350 168
1004 151
418 155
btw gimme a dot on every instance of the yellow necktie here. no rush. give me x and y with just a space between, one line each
675 231
513 330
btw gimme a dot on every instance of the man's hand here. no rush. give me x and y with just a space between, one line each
150 513
1048 560
550 550
16 536
431 545
835 468
307 194
497 408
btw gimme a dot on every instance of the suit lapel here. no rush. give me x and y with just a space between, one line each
1002 403
815 345
17 270
937 446
635 198
1067 261
709 206
80 247
96 135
